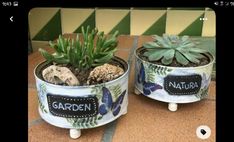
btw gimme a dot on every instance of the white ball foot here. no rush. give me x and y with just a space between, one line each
75 133
172 106
137 92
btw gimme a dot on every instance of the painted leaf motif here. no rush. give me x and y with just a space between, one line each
106 97
102 109
205 80
141 75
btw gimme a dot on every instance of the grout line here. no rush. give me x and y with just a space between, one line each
131 55
109 132
135 42
35 122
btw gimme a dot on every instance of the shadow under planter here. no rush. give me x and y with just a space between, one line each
172 84
82 107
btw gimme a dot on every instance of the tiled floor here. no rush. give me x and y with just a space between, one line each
147 120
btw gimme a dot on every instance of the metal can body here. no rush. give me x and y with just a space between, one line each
172 84
82 107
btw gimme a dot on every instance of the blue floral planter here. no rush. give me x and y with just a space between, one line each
172 84
82 107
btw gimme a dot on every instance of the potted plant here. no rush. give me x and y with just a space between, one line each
172 69
82 84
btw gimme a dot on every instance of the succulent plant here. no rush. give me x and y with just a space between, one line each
169 47
83 54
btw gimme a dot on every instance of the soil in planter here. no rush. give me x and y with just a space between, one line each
174 63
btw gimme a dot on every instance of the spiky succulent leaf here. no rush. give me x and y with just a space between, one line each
174 47
46 55
105 58
86 54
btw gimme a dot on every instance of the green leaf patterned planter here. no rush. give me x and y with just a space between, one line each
172 84
82 107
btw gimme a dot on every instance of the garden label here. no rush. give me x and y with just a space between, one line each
72 107
182 85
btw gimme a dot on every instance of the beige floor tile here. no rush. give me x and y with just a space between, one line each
148 120
33 60
122 54
45 132
125 42
33 113
143 39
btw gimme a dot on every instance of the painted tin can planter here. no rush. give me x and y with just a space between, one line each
172 84
82 107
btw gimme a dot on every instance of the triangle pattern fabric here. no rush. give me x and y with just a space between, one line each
179 20
38 18
89 21
107 19
158 27
209 25
72 18
123 26
141 20
195 28
51 30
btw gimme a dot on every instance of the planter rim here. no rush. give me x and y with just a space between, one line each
197 67
85 86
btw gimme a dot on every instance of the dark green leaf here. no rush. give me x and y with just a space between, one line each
62 43
115 34
46 55
105 58
109 42
61 61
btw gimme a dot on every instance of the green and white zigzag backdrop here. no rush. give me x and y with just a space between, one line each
47 23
